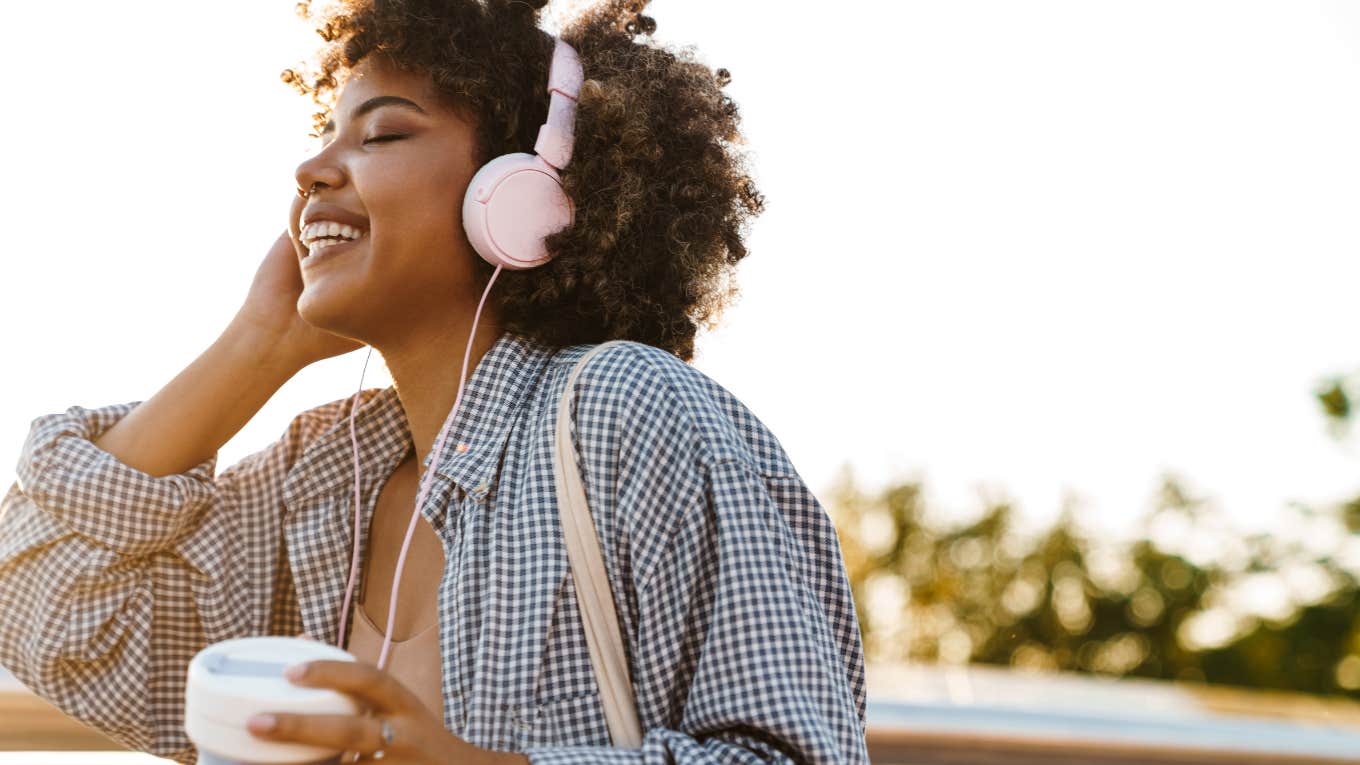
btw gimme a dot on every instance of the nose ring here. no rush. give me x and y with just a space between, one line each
308 193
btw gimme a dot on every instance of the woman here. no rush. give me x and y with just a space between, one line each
121 555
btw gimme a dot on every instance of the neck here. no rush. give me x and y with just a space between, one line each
425 370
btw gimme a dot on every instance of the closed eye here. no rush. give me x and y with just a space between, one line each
384 138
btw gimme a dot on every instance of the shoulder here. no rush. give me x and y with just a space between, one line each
378 410
317 447
310 424
659 402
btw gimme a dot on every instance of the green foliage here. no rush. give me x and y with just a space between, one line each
1176 603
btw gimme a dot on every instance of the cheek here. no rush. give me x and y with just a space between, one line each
437 190
448 175
413 206
450 185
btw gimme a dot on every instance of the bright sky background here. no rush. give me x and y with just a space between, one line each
1039 248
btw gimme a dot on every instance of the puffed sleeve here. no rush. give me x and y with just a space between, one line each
111 579
742 635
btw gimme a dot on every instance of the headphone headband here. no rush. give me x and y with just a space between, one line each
564 87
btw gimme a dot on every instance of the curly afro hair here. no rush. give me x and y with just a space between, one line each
662 194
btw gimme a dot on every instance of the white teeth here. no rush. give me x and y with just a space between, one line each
324 244
327 228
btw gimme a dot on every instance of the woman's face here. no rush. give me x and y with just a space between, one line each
392 171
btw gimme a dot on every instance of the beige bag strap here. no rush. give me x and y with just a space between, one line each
592 584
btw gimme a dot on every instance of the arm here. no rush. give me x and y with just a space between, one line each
266 343
95 470
202 407
121 555
111 579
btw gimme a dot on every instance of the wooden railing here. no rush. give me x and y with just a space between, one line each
29 723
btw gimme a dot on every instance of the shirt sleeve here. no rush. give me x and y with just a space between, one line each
746 633
112 579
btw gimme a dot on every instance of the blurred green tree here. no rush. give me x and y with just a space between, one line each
1184 601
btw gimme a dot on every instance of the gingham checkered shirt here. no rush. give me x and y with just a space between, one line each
732 597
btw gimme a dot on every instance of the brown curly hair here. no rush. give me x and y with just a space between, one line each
662 194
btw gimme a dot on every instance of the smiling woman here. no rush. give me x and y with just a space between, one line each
122 554
650 257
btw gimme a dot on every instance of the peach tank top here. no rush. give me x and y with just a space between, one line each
414 661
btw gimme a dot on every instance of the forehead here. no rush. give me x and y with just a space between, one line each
377 76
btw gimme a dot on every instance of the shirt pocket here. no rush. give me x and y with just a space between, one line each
576 720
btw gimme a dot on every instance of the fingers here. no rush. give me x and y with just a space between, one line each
343 732
374 687
294 229
295 214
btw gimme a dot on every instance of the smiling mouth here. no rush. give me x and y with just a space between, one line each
322 236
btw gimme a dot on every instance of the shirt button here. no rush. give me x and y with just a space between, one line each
479 488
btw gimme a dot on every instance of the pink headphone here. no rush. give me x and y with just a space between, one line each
517 199
512 202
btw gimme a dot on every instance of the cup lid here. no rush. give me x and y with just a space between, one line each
234 679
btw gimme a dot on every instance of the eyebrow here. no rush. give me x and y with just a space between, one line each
377 102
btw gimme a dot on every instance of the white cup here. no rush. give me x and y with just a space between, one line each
231 681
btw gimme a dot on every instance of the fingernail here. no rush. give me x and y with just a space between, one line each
261 723
295 672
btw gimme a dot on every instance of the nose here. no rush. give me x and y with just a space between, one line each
317 172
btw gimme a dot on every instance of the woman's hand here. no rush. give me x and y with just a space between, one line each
270 310
418 737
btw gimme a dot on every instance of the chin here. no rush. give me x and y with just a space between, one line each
328 312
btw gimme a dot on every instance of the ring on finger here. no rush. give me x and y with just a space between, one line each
386 733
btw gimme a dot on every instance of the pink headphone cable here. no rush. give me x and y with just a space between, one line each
420 499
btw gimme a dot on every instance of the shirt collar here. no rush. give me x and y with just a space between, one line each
493 398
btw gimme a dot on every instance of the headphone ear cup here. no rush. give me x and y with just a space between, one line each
512 203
